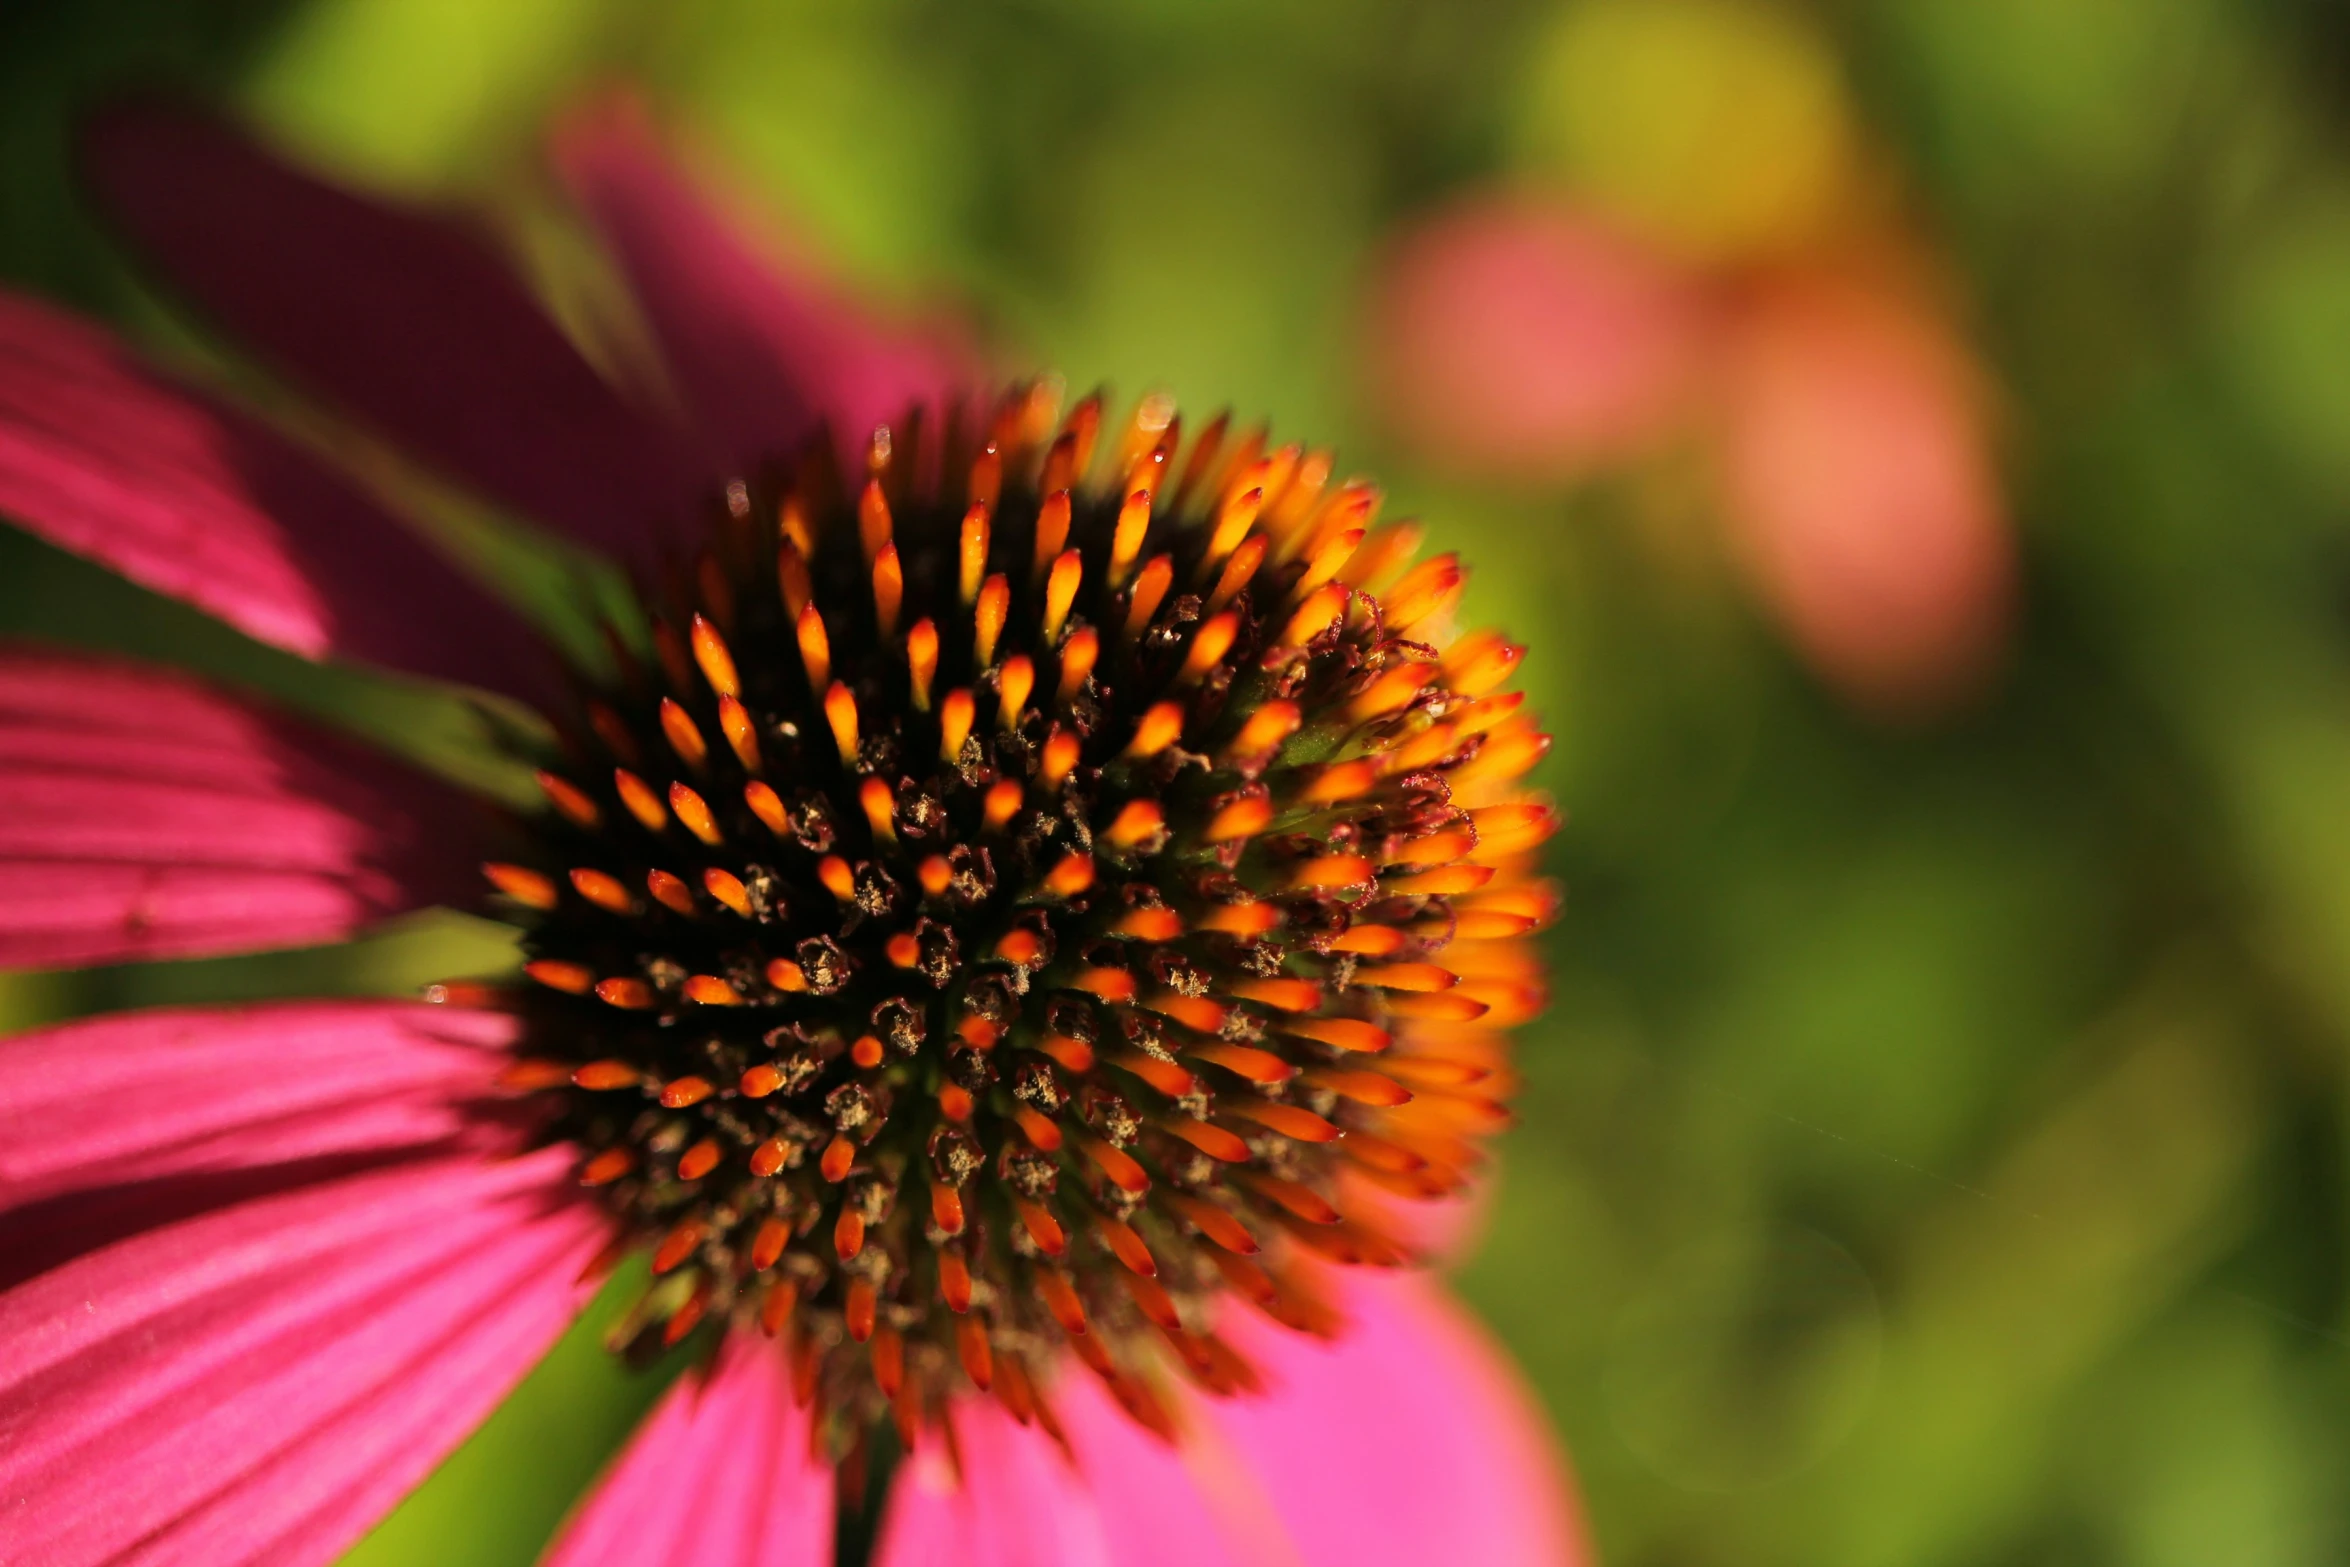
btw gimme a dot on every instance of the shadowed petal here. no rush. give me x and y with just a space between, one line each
720 1476
140 1095
117 1125
103 457
758 346
1407 1440
261 1383
402 317
144 816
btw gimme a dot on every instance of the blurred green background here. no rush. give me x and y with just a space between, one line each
1934 1151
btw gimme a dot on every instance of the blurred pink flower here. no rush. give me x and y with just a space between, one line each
1858 490
262 1267
1519 336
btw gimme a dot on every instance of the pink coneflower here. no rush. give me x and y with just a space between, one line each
1837 412
1026 913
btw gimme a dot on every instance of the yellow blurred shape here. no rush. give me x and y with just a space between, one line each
409 92
1718 128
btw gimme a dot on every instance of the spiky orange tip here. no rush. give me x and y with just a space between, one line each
1041 886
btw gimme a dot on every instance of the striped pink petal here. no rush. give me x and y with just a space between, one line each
1119 1497
145 816
1014 1501
103 457
1154 1500
1407 1440
138 1097
259 1384
758 346
402 317
114 1126
720 1476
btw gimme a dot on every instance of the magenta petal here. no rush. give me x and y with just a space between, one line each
260 1384
114 1126
720 1476
1127 1501
1016 1503
141 1096
102 457
145 816
759 347
1151 1499
402 317
1408 1440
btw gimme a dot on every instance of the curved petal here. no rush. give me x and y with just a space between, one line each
402 317
102 457
1119 1497
720 1476
187 1090
759 348
1153 1502
1406 1440
1014 1502
259 1384
145 816
114 1126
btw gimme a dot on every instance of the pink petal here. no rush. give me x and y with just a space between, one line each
403 317
759 347
114 1126
1858 479
139 1096
1015 1503
260 1384
720 1476
1528 340
1408 1440
1019 1501
1153 1498
101 456
145 816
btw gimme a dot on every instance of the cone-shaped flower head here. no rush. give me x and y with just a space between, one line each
1049 877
